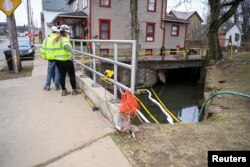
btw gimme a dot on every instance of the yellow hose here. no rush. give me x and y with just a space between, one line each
88 100
144 107
165 108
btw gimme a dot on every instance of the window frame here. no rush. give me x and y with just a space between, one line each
105 6
87 4
236 37
154 6
147 25
177 31
104 49
100 28
76 5
147 51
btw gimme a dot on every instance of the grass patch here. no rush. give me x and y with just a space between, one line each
5 74
187 144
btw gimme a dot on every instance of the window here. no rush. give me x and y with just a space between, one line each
76 5
104 52
173 51
150 32
105 3
230 39
151 5
175 30
104 29
237 37
148 52
84 4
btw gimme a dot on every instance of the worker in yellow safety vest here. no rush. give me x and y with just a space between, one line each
64 60
47 52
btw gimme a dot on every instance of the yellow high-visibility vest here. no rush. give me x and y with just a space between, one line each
62 54
47 49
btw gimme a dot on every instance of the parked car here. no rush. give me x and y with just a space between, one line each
26 49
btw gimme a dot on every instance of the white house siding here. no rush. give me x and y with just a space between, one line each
48 17
119 16
86 9
171 42
154 17
232 32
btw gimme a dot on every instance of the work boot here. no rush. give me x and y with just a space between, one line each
47 88
57 87
65 92
75 92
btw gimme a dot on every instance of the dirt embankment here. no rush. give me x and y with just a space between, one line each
183 145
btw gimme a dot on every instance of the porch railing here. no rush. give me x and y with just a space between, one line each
91 53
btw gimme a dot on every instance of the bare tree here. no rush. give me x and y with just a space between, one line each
217 18
245 14
135 30
220 12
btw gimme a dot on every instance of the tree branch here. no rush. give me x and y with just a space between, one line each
228 4
226 16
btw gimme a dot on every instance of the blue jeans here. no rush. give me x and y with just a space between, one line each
52 73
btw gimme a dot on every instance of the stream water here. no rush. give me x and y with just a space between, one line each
181 90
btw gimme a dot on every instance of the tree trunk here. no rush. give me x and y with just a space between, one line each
245 12
213 42
214 46
216 20
135 31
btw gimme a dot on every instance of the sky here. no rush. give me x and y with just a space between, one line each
21 12
36 5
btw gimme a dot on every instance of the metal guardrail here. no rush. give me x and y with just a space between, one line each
115 62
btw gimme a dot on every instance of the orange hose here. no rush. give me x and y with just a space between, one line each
129 105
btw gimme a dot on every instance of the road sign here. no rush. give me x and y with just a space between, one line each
9 6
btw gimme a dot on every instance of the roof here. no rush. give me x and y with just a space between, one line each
171 18
226 27
71 15
77 14
55 5
185 15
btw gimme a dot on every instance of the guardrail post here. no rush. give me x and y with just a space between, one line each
133 68
83 75
94 65
115 100
74 45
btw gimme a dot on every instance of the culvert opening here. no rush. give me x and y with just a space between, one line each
182 89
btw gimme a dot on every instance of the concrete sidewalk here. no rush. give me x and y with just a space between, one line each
40 128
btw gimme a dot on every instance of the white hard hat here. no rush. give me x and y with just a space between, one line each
54 29
64 28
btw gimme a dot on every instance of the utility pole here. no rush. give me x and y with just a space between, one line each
8 7
28 15
14 43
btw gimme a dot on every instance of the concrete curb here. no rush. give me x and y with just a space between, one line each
97 96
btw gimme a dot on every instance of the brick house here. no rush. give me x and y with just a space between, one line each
111 19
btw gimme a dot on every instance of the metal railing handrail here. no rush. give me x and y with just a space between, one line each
113 61
103 41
